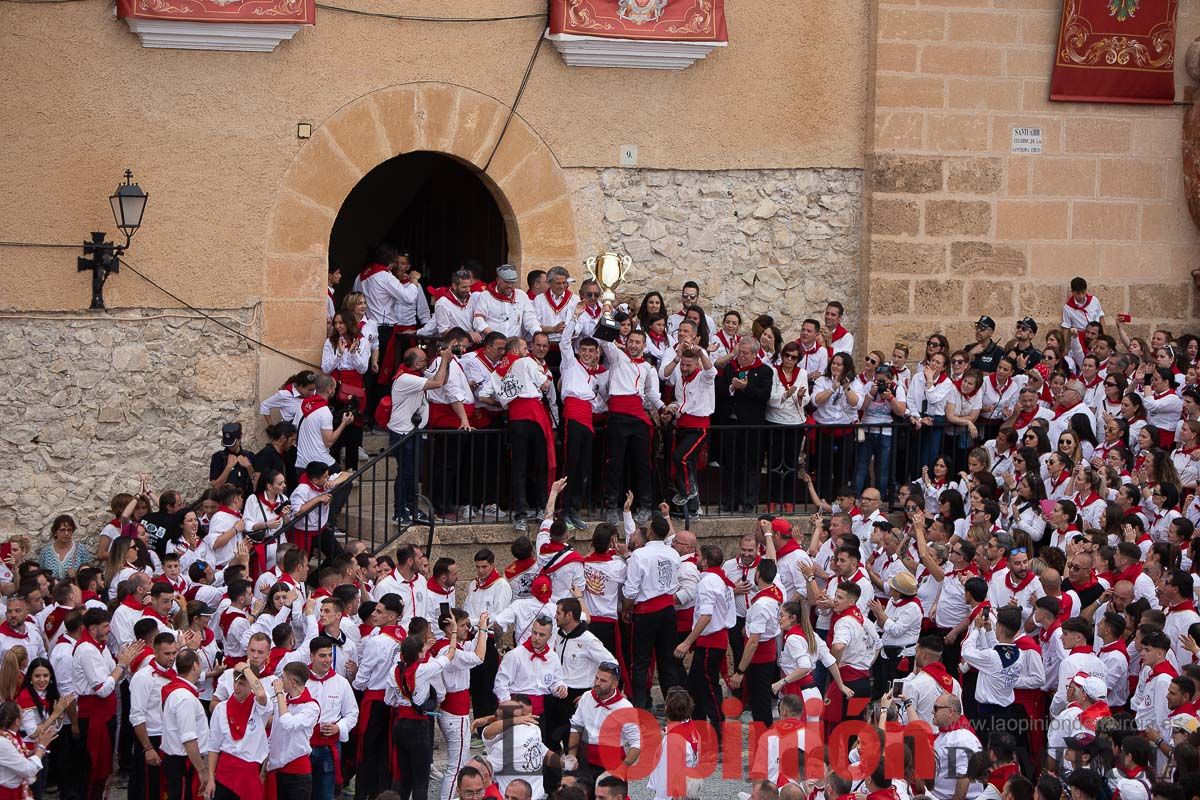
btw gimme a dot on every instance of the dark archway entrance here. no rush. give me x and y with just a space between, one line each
430 205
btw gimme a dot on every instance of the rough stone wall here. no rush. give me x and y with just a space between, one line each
779 242
960 225
89 404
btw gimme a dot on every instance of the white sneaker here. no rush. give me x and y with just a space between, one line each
363 455
468 513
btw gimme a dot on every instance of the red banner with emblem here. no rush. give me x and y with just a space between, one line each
295 12
657 20
1116 51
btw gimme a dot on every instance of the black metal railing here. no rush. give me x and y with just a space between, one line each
465 477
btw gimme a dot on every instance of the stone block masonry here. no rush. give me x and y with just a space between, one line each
778 242
89 404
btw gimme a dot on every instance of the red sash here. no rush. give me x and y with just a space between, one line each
630 405
579 410
534 410
240 777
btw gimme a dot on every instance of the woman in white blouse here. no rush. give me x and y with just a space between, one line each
346 355
834 401
927 396
42 708
785 409
284 404
276 611
262 513
20 763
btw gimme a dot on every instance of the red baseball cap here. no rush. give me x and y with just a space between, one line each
781 526
540 588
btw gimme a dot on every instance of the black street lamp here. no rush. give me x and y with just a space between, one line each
102 257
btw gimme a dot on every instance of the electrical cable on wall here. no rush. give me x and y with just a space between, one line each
512 111
173 296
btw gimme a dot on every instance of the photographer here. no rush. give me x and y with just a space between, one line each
410 412
451 407
885 397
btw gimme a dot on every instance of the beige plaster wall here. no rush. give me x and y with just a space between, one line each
959 226
211 135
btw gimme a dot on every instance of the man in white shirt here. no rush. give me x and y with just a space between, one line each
694 377
130 610
451 307
689 295
581 654
1080 658
316 434
1178 599
554 307
759 657
515 748
238 745
709 635
900 621
1149 703
184 730
633 396
584 388
952 748
95 675
338 717
410 412
145 713
521 384
853 643
835 337
502 307
652 579
587 723
14 630
376 661
290 744
532 669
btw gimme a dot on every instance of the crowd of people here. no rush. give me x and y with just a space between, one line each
1027 618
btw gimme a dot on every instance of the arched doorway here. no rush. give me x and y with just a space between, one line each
428 204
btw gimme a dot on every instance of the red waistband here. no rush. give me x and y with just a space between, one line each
684 617
441 415
348 376
854 673
93 706
691 421
765 653
579 410
301 766
630 405
654 604
716 641
595 753
457 703
408 712
606 620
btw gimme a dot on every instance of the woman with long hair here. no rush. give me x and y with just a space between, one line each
263 512
284 404
346 355
125 558
412 733
12 672
952 513
276 610
1186 456
785 415
651 306
42 709
927 396
658 341
1025 507
769 344
697 315
1166 500
20 762
1064 524
1069 445
1115 433
802 650
1115 384
726 339
1134 412
936 344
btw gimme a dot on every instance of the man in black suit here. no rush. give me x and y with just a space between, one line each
743 388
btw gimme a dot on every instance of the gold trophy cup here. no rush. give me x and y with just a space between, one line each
608 269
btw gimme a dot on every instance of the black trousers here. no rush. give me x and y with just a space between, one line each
737 640
704 684
783 451
483 682
741 467
293 787
556 719
757 682
528 447
374 769
68 765
179 772
684 458
447 466
144 780
412 741
126 742
885 670
654 635
628 452
345 449
578 452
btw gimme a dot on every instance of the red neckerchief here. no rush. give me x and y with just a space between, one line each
1000 776
1062 478
6 630
148 611
1073 303
557 307
449 294
961 724
437 588
371 270
599 558
807 350
904 601
1086 501
312 676
689 378
303 697
1082 649
321 592
593 313
274 657
729 346
569 557
884 794
937 671
140 658
229 616
1089 583
737 365
772 591
492 577
519 566
970 569
313 403
977 610
393 632
785 380
238 714
267 504
790 545
836 335
506 363
132 601
1186 605
720 573
177 683
1094 382
534 654
745 568
1000 390
503 298
1130 573
616 698
1163 667
958 385
1016 587
1118 645
852 612
987 574
1024 418
1062 411
1045 634
658 338
1158 396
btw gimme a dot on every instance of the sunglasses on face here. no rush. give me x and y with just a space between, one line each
690 296
957 361
591 294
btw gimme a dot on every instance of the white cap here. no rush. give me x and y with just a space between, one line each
1132 790
1092 686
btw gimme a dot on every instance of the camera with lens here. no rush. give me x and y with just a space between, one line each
883 379
456 350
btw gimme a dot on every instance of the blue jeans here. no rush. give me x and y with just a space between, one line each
878 445
323 779
408 462
931 443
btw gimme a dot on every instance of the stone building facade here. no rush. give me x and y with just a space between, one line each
867 158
